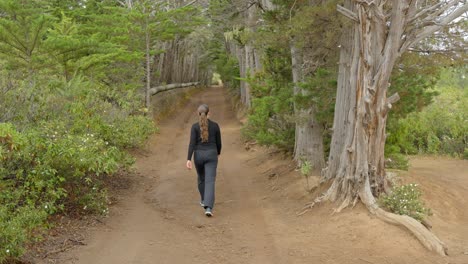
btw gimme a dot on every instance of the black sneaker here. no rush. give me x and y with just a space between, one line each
208 212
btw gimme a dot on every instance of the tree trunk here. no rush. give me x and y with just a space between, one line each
369 52
249 72
309 133
240 52
345 102
249 61
148 67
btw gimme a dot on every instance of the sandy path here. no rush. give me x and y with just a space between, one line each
163 223
255 213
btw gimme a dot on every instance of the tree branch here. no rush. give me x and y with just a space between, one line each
428 51
426 11
393 41
389 102
347 13
191 3
393 99
426 31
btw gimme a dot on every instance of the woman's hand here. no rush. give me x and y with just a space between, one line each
189 164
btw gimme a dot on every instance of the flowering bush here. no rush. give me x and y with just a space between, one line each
52 168
406 200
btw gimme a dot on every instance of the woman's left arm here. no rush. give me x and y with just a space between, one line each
193 140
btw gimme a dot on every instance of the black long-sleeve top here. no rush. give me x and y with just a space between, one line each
214 139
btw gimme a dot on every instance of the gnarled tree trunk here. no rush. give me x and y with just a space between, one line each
356 163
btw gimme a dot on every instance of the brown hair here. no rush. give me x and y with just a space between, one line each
203 111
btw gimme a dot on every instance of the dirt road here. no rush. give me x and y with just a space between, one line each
254 217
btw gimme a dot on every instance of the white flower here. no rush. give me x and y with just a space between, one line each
7 251
45 206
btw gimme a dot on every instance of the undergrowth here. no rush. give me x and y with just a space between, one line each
406 200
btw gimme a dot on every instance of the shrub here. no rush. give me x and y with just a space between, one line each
55 167
269 124
438 129
405 200
17 224
397 161
306 169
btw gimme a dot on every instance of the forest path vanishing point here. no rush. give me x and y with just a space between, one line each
254 219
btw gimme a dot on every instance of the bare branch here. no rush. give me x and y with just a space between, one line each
389 103
428 51
347 13
291 10
163 88
393 99
191 3
426 11
426 31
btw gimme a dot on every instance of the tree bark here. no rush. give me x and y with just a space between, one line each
346 92
309 132
250 69
369 52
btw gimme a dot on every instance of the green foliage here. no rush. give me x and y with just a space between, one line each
70 105
16 227
268 124
439 129
406 200
306 169
396 160
271 116
429 117
50 168
228 68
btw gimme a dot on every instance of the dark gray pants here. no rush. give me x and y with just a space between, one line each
206 162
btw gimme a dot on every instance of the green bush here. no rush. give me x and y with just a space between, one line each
55 167
405 200
438 129
397 161
271 115
17 225
269 124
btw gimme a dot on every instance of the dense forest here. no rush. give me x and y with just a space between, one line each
347 88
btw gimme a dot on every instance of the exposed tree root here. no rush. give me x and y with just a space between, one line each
420 231
424 235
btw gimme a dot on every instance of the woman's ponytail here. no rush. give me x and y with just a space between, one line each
203 113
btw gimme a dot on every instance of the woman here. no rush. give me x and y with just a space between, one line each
205 144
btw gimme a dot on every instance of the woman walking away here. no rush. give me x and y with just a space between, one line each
205 144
